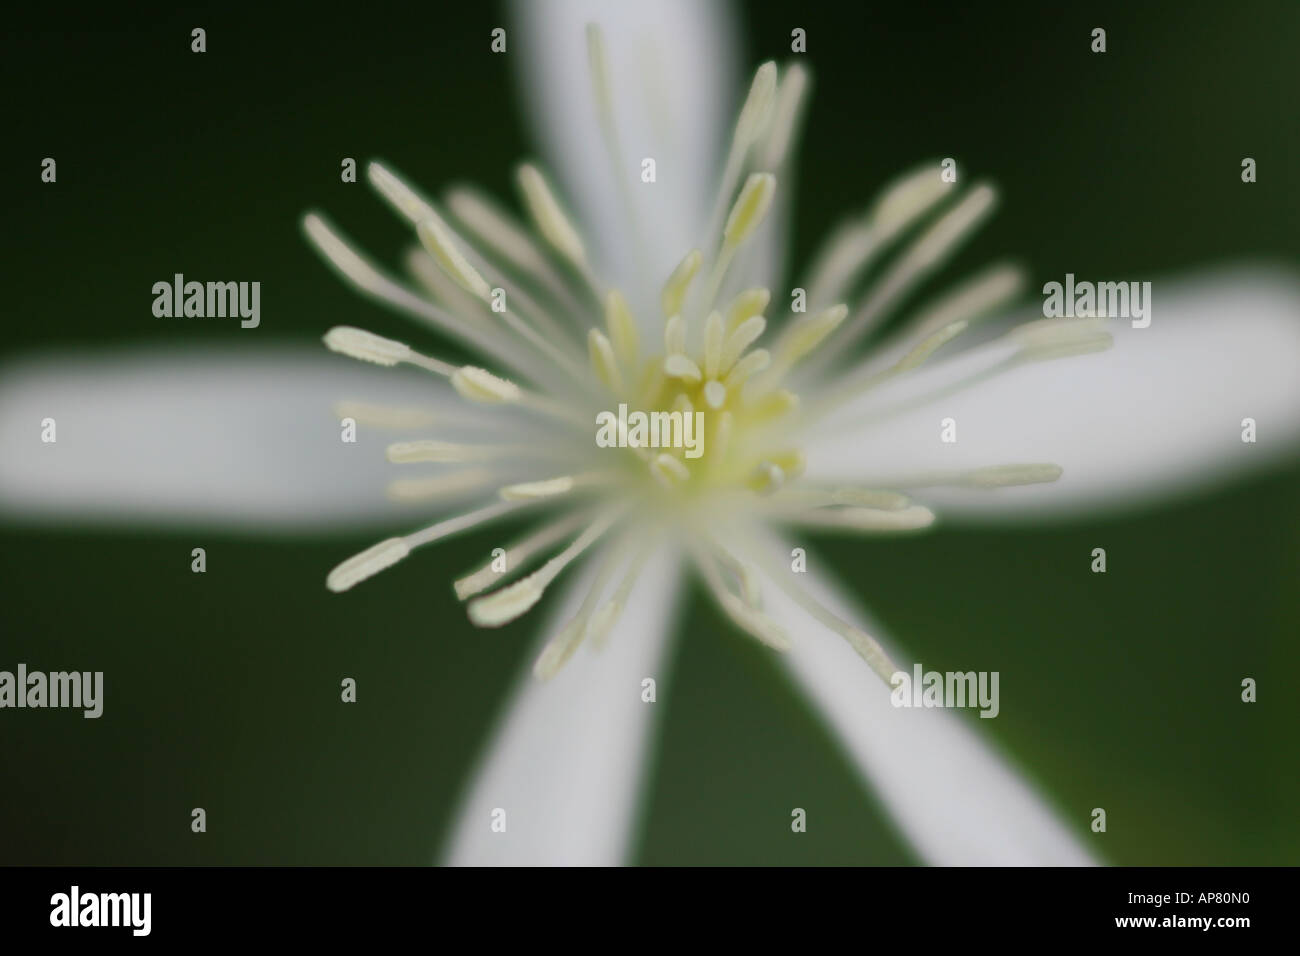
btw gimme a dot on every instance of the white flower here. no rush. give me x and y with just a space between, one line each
653 296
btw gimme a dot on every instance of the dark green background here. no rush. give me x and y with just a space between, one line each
1119 691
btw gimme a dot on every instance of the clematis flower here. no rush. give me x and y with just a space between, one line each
665 294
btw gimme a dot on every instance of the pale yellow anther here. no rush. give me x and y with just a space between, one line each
480 385
773 405
531 490
438 241
622 328
715 393
766 478
603 362
503 606
751 206
906 199
748 303
424 489
401 196
549 218
926 347
714 334
679 283
675 335
367 564
745 335
869 498
669 470
681 367
753 363
809 333
791 462
366 346
756 112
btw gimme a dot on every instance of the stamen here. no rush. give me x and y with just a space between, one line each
503 606
767 478
679 366
746 215
975 298
869 498
675 289
751 590
425 489
603 363
388 552
480 385
749 124
400 196
927 346
749 619
385 416
806 335
444 529
438 242
713 340
866 646
785 117
608 613
995 476
359 272
518 555
367 564
549 218
750 208
856 245
751 364
772 405
549 487
445 290
675 336
368 347
745 335
500 232
715 393
906 200
755 113
925 253
622 329
748 303
561 647
910 518
848 251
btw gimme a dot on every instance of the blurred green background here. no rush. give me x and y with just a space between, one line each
1119 691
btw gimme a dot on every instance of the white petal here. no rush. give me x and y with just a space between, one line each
673 89
568 759
230 437
952 795
1159 414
